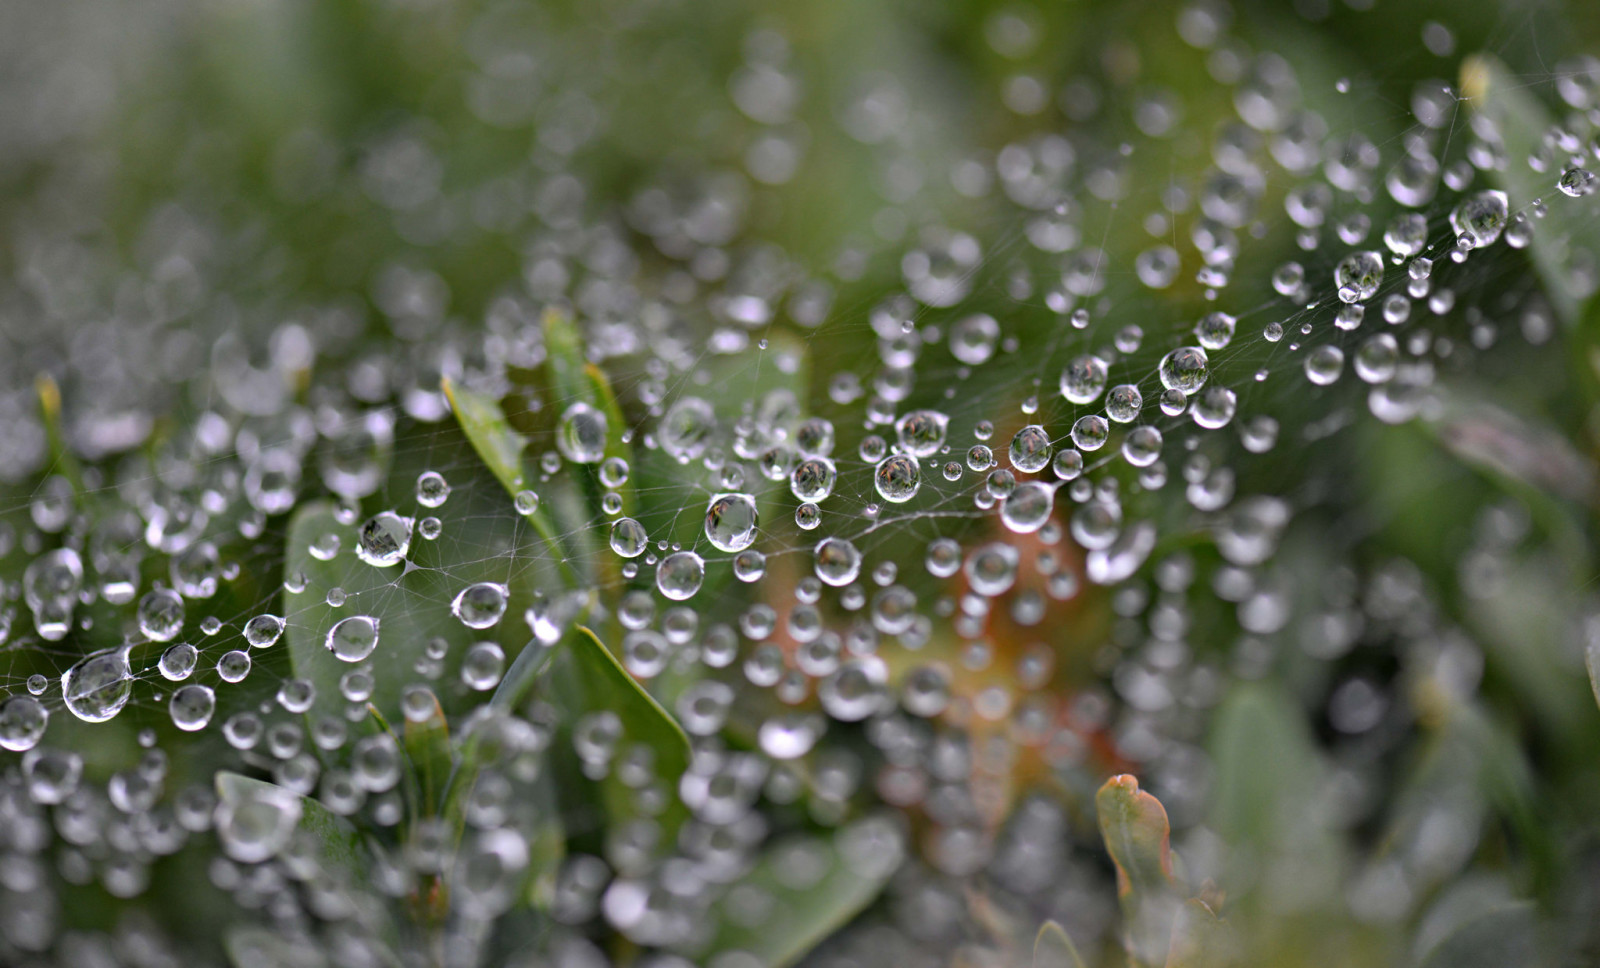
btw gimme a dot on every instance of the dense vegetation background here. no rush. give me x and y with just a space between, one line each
270 264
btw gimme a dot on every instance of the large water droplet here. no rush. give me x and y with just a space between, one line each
921 432
161 615
731 521
1184 369
480 605
353 639
191 706
581 436
1358 276
98 686
679 575
837 562
22 723
897 478
628 538
384 539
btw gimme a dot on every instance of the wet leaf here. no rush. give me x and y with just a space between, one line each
410 605
548 846
1572 225
772 379
812 886
485 425
410 602
1137 835
1264 762
500 447
573 379
1505 936
62 460
340 841
565 361
1053 948
427 745
591 680
252 947
1200 939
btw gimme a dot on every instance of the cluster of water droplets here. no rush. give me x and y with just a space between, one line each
959 555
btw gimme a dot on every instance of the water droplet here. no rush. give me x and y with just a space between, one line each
628 538
191 707
432 489
1480 218
731 522
1030 449
679 575
1358 276
897 479
263 630
921 432
991 569
1124 402
258 823
98 686
1027 508
1324 364
1576 182
687 428
178 661
973 338
22 723
812 480
1142 446
837 562
161 615
581 434
858 688
354 638
384 540
1184 369
1215 330
1090 431
480 605
1083 379
234 666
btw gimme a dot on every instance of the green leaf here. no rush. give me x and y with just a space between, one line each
605 400
340 842
590 680
1052 948
565 360
62 459
774 380
805 889
1265 766
1505 936
485 425
525 670
410 604
518 680
252 947
1572 224
1137 835
427 745
500 447
1200 939
548 847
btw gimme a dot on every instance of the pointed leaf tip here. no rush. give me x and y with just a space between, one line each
1053 948
1137 834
